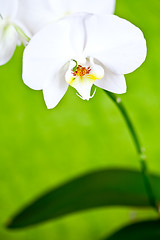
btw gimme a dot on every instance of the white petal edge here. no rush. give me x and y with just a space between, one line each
115 42
55 88
8 42
112 82
62 7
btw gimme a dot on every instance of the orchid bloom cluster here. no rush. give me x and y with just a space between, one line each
76 43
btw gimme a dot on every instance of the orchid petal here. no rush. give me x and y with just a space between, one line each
55 88
8 42
8 8
115 42
112 82
49 50
71 6
39 13
83 87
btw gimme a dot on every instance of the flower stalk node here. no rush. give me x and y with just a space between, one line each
118 100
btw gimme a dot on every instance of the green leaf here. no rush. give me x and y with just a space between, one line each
146 230
110 187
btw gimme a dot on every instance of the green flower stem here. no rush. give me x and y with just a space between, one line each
140 149
21 33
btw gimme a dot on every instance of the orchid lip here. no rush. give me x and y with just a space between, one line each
83 75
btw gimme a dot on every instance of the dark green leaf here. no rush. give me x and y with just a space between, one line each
146 230
97 189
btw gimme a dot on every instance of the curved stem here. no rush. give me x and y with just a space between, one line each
140 149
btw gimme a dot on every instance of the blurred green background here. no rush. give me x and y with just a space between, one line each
42 148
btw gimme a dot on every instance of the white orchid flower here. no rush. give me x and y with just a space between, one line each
22 18
42 12
11 33
82 50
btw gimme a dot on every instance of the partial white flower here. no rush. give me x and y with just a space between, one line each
41 12
11 33
82 50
